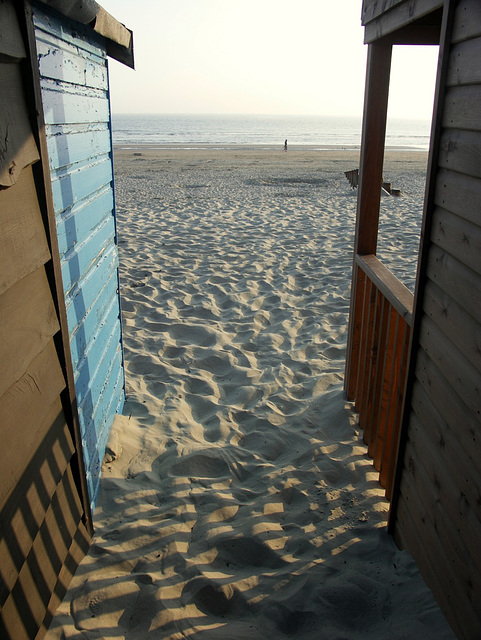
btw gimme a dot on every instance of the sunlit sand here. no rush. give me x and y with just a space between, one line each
237 498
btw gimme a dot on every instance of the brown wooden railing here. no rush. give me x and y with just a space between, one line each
381 320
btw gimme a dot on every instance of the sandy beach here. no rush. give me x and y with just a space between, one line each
237 499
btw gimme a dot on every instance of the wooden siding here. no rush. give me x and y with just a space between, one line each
437 514
43 532
397 17
74 82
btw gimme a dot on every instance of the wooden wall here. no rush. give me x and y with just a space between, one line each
43 532
74 83
437 514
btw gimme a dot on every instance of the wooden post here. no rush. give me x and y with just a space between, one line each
372 145
370 173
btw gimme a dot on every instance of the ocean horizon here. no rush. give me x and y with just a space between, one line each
180 131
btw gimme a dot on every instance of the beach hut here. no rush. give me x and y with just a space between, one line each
414 362
61 379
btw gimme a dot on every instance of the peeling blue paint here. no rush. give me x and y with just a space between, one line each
75 93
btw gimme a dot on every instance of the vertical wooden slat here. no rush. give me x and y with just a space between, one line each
404 353
395 382
363 346
373 346
352 362
379 375
367 346
384 395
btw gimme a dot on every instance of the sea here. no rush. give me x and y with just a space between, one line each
226 131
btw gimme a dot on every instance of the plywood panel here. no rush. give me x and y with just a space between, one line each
17 146
24 512
32 398
29 321
11 42
23 243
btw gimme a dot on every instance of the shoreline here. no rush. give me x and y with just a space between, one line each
127 146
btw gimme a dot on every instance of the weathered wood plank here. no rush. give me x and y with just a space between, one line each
461 108
90 288
381 19
460 151
457 369
450 406
410 532
455 279
59 61
66 105
464 330
104 311
453 519
464 67
432 558
459 194
69 188
23 243
66 34
467 21
451 463
29 321
17 144
23 410
74 144
82 219
458 237
87 252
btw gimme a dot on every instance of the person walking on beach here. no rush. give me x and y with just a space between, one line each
285 145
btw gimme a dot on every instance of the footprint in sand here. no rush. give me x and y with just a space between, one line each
201 465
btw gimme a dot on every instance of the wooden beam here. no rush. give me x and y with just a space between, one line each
372 146
429 205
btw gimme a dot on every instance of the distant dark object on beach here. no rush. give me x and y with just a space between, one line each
353 179
285 145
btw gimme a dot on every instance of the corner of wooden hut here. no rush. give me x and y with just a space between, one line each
62 379
414 362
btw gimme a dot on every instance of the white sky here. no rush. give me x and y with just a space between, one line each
258 56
